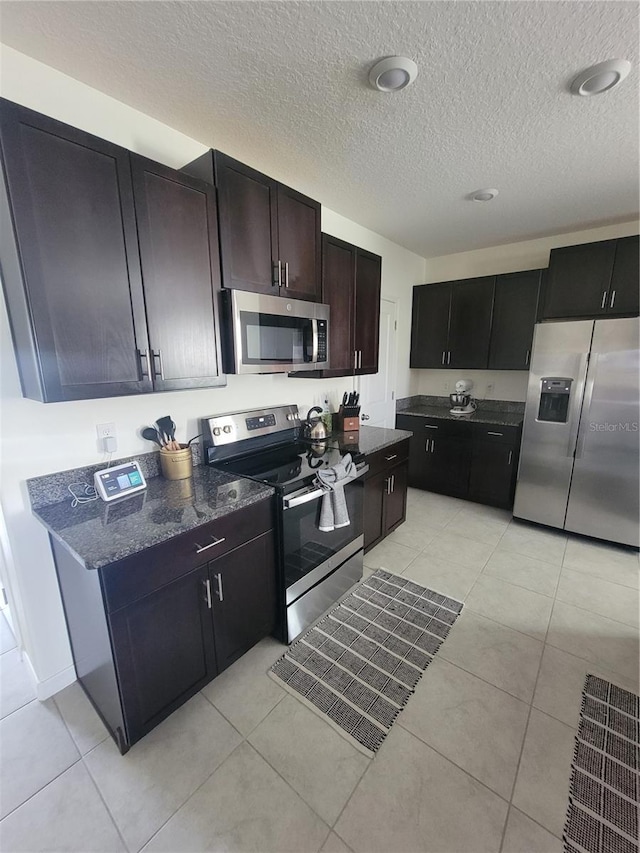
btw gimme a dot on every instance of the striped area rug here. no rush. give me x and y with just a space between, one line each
604 793
359 664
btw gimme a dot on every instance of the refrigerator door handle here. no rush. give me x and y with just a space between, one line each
586 406
576 405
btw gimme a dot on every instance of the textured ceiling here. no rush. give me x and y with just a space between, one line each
283 86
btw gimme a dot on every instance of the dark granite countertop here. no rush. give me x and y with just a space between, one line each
502 412
100 533
369 439
481 416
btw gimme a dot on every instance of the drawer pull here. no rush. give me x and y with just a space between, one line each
390 458
201 548
494 433
430 426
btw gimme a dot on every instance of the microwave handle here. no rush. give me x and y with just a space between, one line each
314 356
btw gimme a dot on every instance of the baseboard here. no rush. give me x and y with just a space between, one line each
50 686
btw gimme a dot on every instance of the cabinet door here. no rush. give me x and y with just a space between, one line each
419 447
244 598
299 248
470 325
178 234
248 232
430 325
515 310
492 477
395 499
338 276
367 318
164 650
78 316
579 280
374 495
624 294
448 465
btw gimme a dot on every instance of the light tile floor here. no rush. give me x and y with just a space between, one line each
478 761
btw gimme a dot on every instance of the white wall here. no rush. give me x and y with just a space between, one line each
513 257
39 439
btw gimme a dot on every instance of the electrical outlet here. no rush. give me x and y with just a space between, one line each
107 437
446 387
106 430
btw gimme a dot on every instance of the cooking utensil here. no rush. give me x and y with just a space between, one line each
314 427
199 435
151 434
167 431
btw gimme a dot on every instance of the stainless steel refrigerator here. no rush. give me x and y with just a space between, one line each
580 457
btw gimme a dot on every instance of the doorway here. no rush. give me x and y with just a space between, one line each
377 391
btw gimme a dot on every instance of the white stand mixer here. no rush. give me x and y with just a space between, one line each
462 403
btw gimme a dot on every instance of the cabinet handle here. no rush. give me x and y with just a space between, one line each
218 578
158 355
359 359
201 548
388 482
207 588
393 482
286 273
494 433
277 273
147 357
443 356
528 356
510 457
433 444
355 359
604 298
449 357
613 299
390 458
430 426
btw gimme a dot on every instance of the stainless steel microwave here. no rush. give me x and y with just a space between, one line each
272 334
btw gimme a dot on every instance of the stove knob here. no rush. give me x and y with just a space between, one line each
226 429
216 431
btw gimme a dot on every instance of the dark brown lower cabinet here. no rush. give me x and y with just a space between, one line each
463 459
385 493
150 631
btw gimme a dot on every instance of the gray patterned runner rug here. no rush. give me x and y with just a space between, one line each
605 776
361 662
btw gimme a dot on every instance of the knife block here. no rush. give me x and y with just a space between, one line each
349 418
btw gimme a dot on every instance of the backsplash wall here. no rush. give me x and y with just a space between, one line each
487 384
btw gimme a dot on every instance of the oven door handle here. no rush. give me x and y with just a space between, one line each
306 495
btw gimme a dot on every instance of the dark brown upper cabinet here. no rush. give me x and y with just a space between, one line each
593 280
70 262
367 311
269 233
624 294
430 325
451 324
109 279
351 282
178 235
515 309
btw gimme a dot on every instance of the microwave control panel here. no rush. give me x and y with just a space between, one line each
322 340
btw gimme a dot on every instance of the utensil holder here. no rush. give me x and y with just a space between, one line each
176 464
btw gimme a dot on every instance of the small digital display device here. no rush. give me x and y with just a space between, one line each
119 481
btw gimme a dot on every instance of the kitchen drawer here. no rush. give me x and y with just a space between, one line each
435 426
387 457
147 571
496 432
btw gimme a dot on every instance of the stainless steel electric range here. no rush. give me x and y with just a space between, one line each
315 567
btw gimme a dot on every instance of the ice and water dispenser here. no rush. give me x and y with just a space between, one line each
554 400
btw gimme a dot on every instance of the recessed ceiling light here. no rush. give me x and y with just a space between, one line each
393 74
601 77
484 195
